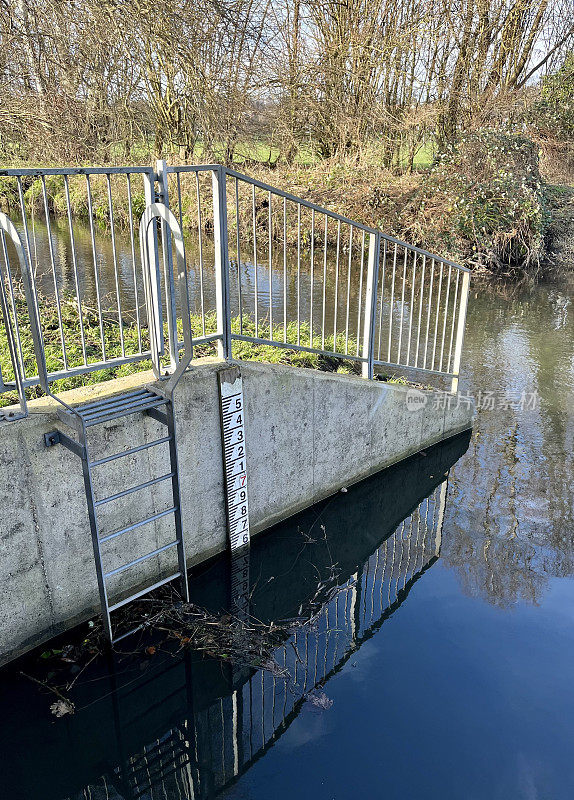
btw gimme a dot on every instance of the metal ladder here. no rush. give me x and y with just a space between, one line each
85 416
144 400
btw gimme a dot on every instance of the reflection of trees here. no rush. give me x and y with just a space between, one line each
509 523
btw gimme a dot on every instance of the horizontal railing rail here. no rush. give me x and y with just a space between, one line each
265 269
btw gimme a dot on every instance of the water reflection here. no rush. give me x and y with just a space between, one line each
511 512
187 727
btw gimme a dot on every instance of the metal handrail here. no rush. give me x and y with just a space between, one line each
395 305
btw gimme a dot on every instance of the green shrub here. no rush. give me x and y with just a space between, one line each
483 203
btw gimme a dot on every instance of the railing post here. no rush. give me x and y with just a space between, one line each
460 331
371 306
221 262
153 309
169 281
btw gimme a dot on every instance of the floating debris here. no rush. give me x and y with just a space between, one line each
319 700
62 707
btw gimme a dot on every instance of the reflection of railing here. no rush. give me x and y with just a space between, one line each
266 267
214 745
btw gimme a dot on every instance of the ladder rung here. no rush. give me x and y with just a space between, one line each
137 524
123 411
129 452
144 591
121 401
140 559
133 489
107 401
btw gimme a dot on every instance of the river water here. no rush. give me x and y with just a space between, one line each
440 668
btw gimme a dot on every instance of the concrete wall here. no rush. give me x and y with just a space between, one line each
308 434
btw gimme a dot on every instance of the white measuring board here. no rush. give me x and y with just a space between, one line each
234 462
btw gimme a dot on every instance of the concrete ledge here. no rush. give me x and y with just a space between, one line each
308 434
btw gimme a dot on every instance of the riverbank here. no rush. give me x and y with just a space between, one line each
483 204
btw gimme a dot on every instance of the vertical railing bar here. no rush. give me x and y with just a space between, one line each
385 562
453 321
251 717
221 242
428 314
312 277
27 235
179 200
412 310
115 260
237 242
383 276
408 564
273 692
392 302
270 268
35 312
420 309
460 330
377 554
401 555
285 269
361 293
263 707
327 638
437 313
298 273
200 242
371 306
180 213
392 568
444 318
425 529
149 251
335 309
132 243
75 268
349 264
13 303
285 683
324 285
254 221
168 271
53 264
336 647
96 273
402 308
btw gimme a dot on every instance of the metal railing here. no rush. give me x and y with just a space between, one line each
292 274
264 268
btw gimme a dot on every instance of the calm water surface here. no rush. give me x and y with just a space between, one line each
441 669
